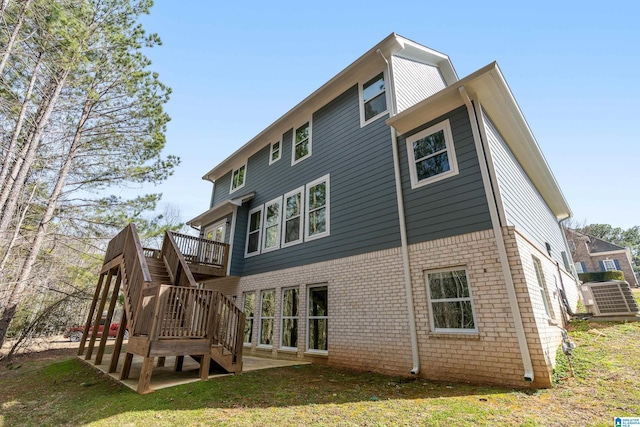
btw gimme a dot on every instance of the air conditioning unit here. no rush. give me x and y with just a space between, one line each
612 298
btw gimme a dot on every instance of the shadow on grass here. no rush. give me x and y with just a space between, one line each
70 392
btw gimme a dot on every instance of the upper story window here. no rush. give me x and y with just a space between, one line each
373 97
292 217
451 307
254 230
238 178
431 155
272 214
301 143
275 152
317 212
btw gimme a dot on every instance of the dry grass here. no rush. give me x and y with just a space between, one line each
64 391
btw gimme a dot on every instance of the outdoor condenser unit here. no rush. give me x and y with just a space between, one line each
612 298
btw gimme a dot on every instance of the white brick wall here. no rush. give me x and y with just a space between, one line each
368 321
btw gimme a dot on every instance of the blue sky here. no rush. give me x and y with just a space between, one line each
235 67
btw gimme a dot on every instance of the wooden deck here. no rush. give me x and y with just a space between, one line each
166 311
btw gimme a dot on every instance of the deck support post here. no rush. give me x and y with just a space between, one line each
96 323
109 317
145 375
205 362
115 356
92 309
177 367
126 368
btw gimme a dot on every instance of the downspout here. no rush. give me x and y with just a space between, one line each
403 229
497 231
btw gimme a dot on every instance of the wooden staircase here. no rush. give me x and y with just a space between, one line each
165 310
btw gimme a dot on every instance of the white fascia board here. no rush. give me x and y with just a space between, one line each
219 210
361 68
489 87
616 252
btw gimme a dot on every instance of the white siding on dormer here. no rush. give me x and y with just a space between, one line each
414 81
524 207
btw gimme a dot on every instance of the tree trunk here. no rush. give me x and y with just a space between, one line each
18 129
14 34
52 203
23 167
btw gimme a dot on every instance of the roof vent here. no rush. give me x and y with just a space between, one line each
612 298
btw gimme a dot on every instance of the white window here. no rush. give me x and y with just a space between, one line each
293 207
373 99
542 284
212 253
318 319
579 268
609 265
254 230
290 313
238 178
431 155
275 152
301 143
450 301
249 309
317 209
272 216
267 316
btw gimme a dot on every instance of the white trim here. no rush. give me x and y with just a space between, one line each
221 223
259 230
308 335
541 280
301 215
244 178
385 79
232 236
283 318
278 226
261 318
445 127
327 207
430 302
271 159
309 143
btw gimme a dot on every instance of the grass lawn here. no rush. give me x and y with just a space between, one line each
64 391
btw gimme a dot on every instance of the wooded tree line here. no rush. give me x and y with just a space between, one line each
81 114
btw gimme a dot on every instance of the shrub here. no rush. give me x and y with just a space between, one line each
601 276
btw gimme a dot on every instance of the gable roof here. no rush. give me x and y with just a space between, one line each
598 245
362 68
490 88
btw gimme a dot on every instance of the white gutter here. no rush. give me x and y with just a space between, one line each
497 231
403 229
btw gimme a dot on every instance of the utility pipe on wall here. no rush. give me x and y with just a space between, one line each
497 231
403 229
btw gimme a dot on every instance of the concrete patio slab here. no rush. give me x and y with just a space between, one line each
164 376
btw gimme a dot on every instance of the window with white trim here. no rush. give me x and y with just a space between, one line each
272 216
373 99
292 231
609 264
579 268
275 152
318 319
450 302
542 285
254 230
290 313
431 155
249 309
267 317
317 209
238 178
301 143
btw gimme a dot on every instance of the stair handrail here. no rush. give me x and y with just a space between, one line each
177 266
229 327
136 271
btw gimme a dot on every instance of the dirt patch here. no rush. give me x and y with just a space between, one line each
39 349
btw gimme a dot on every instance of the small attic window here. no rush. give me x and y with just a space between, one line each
373 97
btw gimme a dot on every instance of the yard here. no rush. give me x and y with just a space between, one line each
54 388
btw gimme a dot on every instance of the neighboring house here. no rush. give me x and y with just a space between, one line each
400 220
591 254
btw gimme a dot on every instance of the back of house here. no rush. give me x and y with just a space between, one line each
401 220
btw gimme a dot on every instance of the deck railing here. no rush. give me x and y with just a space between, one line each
202 251
136 272
228 327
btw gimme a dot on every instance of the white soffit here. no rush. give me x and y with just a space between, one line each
219 210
